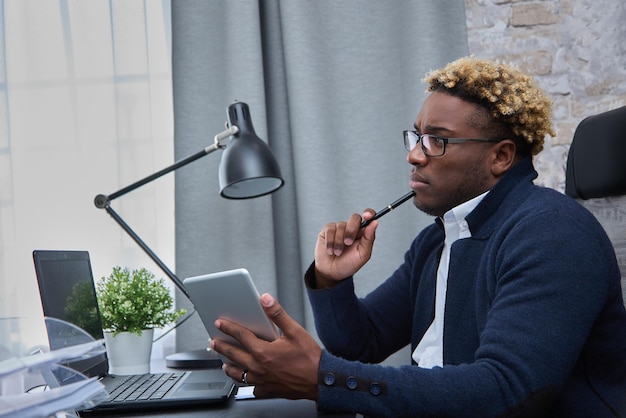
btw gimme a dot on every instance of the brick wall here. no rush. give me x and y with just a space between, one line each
575 49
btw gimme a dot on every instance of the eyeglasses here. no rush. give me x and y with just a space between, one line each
433 145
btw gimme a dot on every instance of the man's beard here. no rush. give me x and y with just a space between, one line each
475 184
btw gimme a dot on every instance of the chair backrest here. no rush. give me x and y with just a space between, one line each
596 175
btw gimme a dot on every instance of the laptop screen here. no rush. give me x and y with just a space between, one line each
67 292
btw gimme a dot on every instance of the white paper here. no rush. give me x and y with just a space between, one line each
47 360
73 396
245 392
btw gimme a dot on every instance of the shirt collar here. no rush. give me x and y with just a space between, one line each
454 220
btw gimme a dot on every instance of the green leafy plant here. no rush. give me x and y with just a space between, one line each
134 301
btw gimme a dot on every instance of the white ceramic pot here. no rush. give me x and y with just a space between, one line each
129 353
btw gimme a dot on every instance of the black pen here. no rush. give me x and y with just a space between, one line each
388 208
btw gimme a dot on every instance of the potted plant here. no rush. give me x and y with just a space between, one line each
132 304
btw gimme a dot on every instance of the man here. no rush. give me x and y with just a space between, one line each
511 300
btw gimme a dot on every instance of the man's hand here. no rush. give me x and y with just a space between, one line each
286 367
343 248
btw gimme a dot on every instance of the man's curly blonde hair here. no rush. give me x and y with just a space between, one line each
517 107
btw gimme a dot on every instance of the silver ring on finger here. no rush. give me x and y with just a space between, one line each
244 377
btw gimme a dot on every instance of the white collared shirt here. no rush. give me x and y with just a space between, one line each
429 351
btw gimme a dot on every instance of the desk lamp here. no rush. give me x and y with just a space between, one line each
247 169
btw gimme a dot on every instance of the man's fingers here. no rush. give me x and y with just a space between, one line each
278 315
328 237
237 373
242 335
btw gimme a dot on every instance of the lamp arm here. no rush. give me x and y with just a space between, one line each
104 201
147 249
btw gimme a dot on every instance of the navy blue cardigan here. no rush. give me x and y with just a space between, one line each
534 320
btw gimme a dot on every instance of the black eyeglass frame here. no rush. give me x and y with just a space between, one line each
445 141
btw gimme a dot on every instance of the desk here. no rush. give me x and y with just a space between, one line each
248 408
244 408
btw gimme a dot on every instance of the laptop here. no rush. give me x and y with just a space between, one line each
60 274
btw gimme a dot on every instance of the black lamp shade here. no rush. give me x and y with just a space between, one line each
248 167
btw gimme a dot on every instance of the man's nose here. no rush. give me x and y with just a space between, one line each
416 155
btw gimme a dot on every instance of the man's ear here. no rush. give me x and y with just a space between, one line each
504 157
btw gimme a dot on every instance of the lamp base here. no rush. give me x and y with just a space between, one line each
196 359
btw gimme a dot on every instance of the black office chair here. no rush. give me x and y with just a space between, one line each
596 175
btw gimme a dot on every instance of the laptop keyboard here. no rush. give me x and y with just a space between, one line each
142 387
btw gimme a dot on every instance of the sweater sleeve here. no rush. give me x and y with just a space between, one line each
369 329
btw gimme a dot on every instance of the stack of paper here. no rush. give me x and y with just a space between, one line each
78 395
